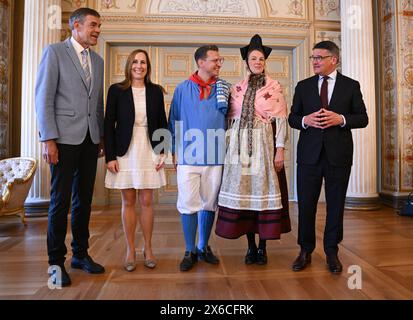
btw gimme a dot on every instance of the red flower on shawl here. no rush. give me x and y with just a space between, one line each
267 96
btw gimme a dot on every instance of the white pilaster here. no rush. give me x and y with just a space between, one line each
41 27
358 63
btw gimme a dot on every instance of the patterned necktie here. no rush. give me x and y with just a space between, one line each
324 93
85 66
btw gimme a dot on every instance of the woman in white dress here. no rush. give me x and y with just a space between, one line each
134 111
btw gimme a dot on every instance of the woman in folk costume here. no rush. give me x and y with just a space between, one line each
253 197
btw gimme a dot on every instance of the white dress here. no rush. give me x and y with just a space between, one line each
137 166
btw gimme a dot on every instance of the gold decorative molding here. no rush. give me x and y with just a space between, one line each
408 59
169 88
331 35
117 6
387 8
165 19
327 10
167 108
70 5
171 185
108 4
295 9
170 72
239 8
283 61
120 61
236 63
65 32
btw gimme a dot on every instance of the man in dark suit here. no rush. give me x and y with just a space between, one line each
325 108
69 107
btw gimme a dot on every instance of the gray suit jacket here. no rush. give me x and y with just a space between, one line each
65 108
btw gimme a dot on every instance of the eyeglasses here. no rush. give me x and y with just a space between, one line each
318 58
218 60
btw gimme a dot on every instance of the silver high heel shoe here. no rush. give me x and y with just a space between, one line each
149 263
130 266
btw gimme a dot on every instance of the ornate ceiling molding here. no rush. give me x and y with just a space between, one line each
207 21
239 8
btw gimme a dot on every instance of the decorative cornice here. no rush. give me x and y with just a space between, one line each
211 7
208 20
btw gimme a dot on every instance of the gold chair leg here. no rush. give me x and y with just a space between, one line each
23 217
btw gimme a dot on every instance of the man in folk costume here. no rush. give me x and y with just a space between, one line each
253 196
197 125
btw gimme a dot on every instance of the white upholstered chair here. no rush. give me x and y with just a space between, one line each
16 176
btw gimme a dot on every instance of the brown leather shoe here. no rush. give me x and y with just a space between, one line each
334 264
301 262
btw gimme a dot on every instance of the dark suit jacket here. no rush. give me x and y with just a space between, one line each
337 141
120 118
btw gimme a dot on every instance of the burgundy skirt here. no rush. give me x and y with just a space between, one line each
269 224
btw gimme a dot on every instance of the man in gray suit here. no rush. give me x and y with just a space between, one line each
69 107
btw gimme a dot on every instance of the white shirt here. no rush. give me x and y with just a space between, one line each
79 48
139 101
331 83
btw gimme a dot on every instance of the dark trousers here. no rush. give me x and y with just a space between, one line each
72 183
309 181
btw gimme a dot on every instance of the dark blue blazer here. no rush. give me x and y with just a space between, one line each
337 141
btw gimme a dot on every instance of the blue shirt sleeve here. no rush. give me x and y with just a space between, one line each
174 116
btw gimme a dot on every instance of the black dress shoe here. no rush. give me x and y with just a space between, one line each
251 256
59 279
87 264
301 262
334 264
206 255
261 257
189 260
